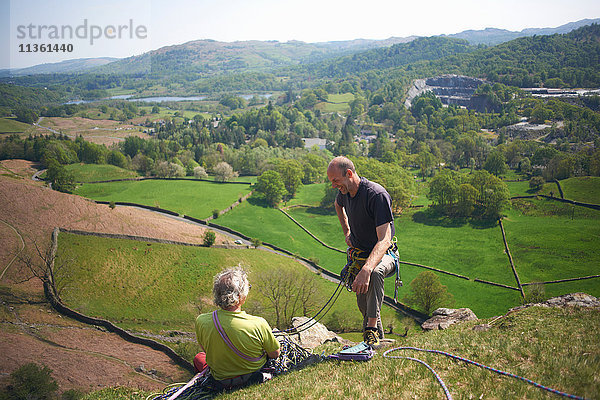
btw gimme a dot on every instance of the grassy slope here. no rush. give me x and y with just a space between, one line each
554 347
585 189
194 198
162 287
11 125
98 172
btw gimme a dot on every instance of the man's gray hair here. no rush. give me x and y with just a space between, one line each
343 164
230 287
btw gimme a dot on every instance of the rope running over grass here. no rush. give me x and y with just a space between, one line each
529 381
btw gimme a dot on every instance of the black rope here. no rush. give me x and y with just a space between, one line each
314 320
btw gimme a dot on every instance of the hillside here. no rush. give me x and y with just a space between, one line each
494 36
30 331
211 57
529 343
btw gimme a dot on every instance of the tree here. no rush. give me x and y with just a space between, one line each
536 183
61 179
291 292
200 173
271 185
329 195
427 293
291 174
224 172
496 163
467 195
116 158
443 188
209 238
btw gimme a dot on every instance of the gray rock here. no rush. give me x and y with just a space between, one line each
314 336
442 318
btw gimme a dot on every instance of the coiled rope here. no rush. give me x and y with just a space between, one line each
448 396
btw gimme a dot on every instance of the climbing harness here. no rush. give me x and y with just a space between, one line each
448 396
356 258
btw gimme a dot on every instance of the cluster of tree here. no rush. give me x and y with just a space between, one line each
475 194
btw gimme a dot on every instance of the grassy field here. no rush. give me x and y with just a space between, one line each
336 103
473 249
530 343
11 125
551 240
188 197
164 287
98 172
585 189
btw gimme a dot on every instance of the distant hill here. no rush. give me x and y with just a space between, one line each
64 67
494 36
210 57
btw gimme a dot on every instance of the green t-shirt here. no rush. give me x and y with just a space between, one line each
249 334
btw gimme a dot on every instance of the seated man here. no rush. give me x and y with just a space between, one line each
235 344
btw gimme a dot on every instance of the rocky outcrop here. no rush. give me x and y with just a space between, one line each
314 336
566 300
450 89
444 317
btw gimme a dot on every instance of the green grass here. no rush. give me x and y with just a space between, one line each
585 189
336 103
98 172
309 195
11 125
554 347
188 197
519 188
551 240
164 287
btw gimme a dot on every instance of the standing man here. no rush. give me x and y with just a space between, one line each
364 209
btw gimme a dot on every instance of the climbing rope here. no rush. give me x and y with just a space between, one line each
387 352
292 357
318 316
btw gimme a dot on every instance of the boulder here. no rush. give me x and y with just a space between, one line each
442 318
314 336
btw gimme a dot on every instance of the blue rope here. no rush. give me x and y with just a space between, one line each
558 392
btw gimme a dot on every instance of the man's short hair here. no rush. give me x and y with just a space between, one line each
343 164
230 287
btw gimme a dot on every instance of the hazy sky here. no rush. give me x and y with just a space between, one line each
117 28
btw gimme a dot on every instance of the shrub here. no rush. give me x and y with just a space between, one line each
215 213
31 381
427 293
112 205
209 238
536 183
256 242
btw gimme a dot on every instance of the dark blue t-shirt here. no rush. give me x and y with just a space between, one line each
368 209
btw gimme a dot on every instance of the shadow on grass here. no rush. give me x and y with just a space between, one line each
258 201
432 218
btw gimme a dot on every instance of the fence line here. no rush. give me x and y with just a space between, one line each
562 280
512 265
58 305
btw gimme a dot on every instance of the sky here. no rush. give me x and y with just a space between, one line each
118 28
